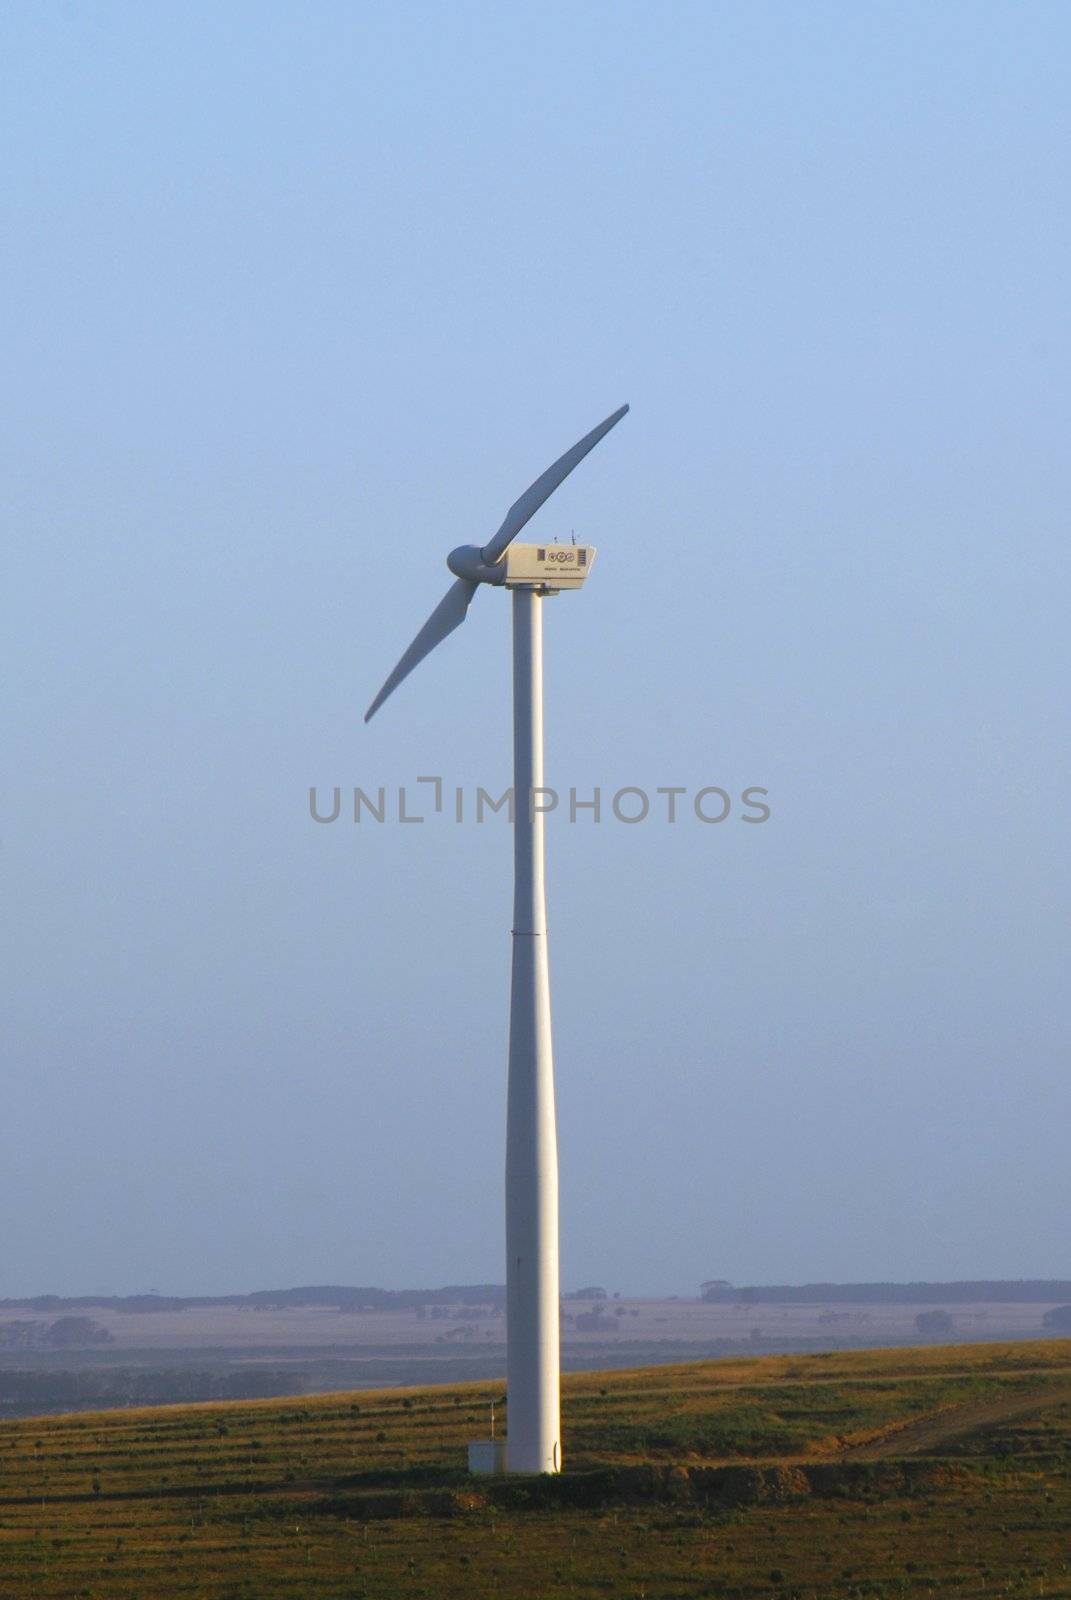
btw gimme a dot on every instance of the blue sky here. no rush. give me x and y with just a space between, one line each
295 299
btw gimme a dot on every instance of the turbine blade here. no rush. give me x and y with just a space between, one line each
544 486
449 614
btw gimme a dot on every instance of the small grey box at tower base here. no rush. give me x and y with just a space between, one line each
487 1457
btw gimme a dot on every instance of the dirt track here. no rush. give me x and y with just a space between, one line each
925 1435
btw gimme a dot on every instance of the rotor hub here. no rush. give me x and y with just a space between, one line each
467 562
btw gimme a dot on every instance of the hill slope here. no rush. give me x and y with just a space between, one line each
940 1471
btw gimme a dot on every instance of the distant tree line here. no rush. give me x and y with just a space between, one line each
338 1296
1013 1291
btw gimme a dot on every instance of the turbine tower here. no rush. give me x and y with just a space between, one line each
532 1286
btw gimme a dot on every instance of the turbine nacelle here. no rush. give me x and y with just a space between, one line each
547 567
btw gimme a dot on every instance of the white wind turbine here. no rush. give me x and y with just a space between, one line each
532 1287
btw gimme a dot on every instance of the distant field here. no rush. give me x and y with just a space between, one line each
942 1472
147 1351
460 1328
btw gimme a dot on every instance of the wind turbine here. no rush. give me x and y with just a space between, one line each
532 1286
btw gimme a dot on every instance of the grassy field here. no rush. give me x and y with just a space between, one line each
942 1472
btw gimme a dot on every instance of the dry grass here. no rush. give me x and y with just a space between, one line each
364 1495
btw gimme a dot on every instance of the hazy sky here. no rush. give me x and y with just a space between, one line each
298 297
